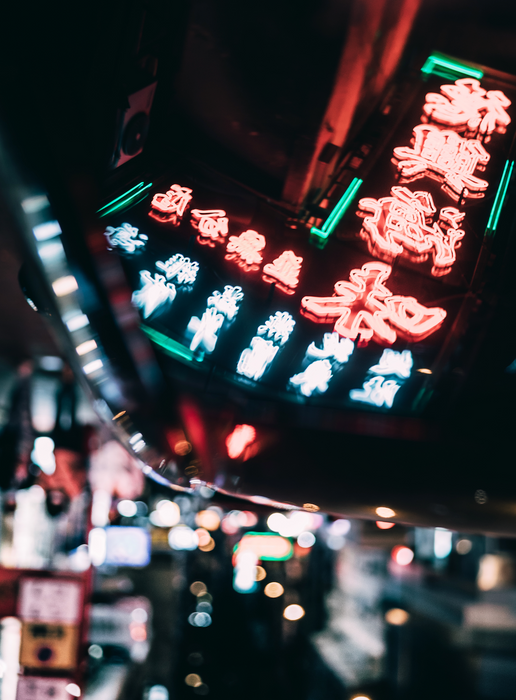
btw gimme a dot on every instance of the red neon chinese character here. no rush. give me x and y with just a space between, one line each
212 225
246 247
284 270
364 308
241 437
467 107
446 157
402 224
172 205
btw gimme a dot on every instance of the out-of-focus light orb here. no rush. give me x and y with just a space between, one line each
425 370
208 519
276 521
384 512
397 616
193 680
294 524
198 588
204 606
273 589
95 651
209 546
127 508
250 518
339 527
361 697
383 525
442 543
139 615
203 535
169 513
182 537
335 542
293 612
200 619
260 573
306 540
73 689
182 448
158 692
138 632
402 555
464 546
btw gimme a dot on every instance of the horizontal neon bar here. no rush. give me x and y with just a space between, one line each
435 60
500 198
338 211
171 347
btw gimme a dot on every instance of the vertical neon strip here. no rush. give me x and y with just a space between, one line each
434 62
338 211
499 199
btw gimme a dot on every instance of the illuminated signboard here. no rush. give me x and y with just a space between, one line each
266 546
352 310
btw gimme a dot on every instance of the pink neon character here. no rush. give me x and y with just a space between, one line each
366 309
212 225
246 248
402 224
285 271
172 205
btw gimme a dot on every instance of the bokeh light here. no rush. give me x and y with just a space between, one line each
340 527
464 546
260 573
95 651
209 546
200 619
167 514
208 519
198 588
193 680
183 537
273 589
397 616
203 535
306 540
293 612
383 525
402 555
384 512
127 508
73 690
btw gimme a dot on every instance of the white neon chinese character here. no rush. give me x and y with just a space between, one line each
154 292
278 327
126 237
254 360
179 268
211 223
376 391
315 378
444 156
402 224
466 106
392 362
247 247
220 306
334 348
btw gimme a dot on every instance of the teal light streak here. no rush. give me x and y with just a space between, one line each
445 67
171 347
339 210
499 199
124 199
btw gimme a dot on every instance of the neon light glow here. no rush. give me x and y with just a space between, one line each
221 306
334 348
285 271
212 225
338 212
172 205
466 106
170 346
444 156
392 362
366 309
441 65
246 249
266 546
155 291
239 440
179 268
499 199
402 224
137 192
376 391
274 333
126 237
315 378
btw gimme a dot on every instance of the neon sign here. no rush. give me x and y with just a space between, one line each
126 237
154 292
237 441
246 249
221 306
284 270
212 225
182 269
376 391
316 377
263 348
466 106
402 224
366 309
171 206
392 362
446 157
334 347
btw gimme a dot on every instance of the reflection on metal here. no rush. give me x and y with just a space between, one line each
126 237
338 212
438 64
221 306
444 156
501 193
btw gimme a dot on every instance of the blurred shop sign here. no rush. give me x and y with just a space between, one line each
50 600
267 547
34 688
45 645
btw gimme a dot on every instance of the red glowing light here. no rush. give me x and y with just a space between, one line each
465 106
446 157
212 225
402 225
402 555
364 308
284 270
241 437
246 248
138 632
172 204
383 525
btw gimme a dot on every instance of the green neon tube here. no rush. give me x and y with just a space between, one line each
171 347
338 211
122 196
500 198
140 194
435 61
